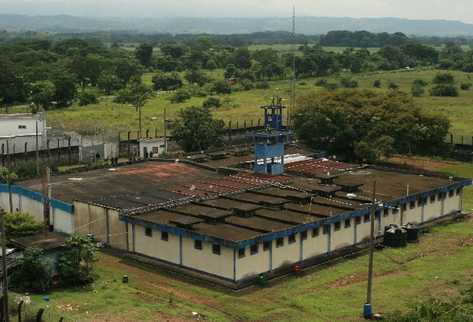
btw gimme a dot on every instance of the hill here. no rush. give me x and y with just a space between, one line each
305 25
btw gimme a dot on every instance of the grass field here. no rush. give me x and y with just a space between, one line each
441 265
244 105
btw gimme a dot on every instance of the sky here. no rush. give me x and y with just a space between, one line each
414 9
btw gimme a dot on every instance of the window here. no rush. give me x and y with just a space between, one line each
279 242
386 212
164 236
347 223
395 210
377 214
412 204
315 232
266 245
216 249
241 253
22 127
358 220
292 239
404 207
148 232
451 193
432 198
459 190
337 226
254 249
366 218
326 230
440 196
304 235
198 244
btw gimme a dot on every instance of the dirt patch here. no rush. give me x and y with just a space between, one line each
358 278
421 163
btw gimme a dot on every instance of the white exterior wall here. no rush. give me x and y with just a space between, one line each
412 215
63 222
155 247
363 231
343 237
206 261
287 254
452 204
314 246
251 265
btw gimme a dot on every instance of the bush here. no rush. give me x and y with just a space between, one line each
444 90
167 81
444 78
348 83
212 102
263 85
331 86
180 96
393 86
247 84
417 90
321 82
33 273
21 224
222 87
377 83
87 98
74 266
466 86
420 82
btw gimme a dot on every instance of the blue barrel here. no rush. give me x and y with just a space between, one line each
367 311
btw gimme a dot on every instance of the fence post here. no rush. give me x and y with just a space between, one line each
69 150
244 124
237 125
147 133
462 139
39 315
20 307
451 139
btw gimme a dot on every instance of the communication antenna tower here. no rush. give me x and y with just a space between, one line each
292 106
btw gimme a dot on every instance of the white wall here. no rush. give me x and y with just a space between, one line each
251 265
155 247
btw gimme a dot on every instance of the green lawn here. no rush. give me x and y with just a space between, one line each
241 106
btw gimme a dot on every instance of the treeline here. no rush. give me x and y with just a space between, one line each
363 39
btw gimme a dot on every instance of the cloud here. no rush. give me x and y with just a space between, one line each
414 9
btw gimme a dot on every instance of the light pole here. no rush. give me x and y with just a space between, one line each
4 267
367 309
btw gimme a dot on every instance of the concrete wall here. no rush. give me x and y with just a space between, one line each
154 246
316 244
252 264
206 261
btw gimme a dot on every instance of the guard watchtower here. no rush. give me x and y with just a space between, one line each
269 143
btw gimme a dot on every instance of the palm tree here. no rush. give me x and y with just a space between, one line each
8 177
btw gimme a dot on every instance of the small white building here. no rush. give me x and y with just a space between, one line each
151 148
20 132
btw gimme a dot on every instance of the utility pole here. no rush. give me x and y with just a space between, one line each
4 267
140 121
293 81
368 310
37 149
165 132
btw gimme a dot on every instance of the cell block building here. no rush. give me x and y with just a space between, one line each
230 227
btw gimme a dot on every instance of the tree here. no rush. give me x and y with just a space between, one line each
144 54
65 89
21 224
231 71
242 58
87 98
43 94
196 76
417 90
196 129
109 82
445 90
222 87
12 85
8 177
366 125
167 81
212 102
136 94
75 264
180 96
33 272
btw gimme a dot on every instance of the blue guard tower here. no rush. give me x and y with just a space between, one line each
269 143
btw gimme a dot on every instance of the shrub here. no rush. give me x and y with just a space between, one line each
87 98
167 81
348 83
33 272
466 86
212 102
417 90
263 85
247 84
420 82
444 90
21 224
321 82
377 83
444 78
180 96
222 87
331 86
393 86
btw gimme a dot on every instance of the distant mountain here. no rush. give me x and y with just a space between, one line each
305 25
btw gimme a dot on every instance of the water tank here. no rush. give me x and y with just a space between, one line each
395 236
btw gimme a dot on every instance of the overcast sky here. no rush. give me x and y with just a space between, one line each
414 9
